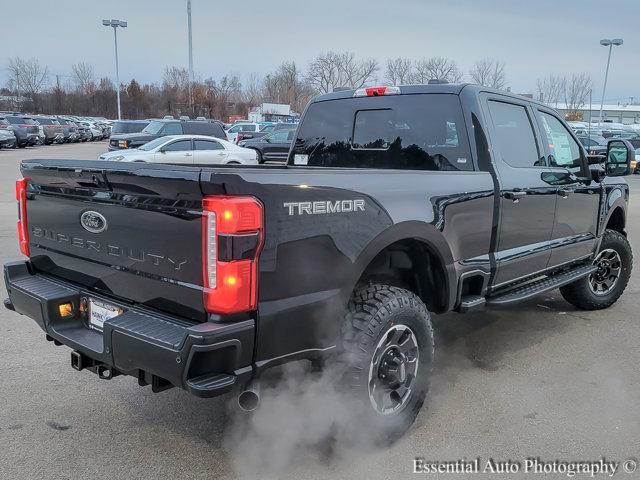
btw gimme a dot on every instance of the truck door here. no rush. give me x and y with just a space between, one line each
575 228
527 200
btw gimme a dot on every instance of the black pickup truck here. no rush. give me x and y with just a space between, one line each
395 203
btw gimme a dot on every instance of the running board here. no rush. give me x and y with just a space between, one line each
531 289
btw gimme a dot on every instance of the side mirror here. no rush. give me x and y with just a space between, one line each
620 155
266 139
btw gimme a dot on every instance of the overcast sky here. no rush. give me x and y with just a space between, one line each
533 38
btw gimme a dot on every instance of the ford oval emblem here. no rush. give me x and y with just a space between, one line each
93 222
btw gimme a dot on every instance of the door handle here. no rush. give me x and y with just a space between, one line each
515 195
565 192
188 154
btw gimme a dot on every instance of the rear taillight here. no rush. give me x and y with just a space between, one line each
232 237
23 232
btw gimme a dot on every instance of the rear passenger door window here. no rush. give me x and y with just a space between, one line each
514 135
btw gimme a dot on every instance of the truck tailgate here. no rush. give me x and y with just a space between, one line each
132 231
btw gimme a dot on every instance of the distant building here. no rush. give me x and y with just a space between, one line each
627 114
273 112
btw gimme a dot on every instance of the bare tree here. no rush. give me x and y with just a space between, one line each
331 70
436 68
175 78
287 85
227 88
323 74
252 91
399 71
356 73
576 92
551 89
27 77
489 73
83 77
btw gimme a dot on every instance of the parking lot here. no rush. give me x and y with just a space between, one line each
540 380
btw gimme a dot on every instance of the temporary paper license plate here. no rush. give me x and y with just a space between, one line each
99 312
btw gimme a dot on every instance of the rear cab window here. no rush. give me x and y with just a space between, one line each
412 132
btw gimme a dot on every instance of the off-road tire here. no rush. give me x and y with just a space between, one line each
372 311
580 294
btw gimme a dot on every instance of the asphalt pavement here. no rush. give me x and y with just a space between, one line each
538 381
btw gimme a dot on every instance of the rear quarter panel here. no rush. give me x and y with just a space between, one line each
310 263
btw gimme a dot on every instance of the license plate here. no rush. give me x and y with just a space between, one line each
99 312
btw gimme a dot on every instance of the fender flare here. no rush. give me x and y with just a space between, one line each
616 198
422 232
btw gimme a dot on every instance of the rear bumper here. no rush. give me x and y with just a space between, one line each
206 359
24 138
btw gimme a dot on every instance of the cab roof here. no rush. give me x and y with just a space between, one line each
450 88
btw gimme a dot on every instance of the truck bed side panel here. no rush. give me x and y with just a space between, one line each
311 261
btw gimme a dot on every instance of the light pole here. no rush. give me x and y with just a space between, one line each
607 43
115 24
190 56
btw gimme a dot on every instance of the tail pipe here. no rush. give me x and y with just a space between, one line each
249 398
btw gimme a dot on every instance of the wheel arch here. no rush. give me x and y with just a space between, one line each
412 255
616 220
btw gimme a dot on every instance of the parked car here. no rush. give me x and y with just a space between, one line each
51 128
96 131
7 137
396 203
595 144
104 127
189 149
265 130
274 146
24 128
83 130
617 132
69 130
41 136
232 133
161 128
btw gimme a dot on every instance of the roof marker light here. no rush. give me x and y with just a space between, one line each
376 91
